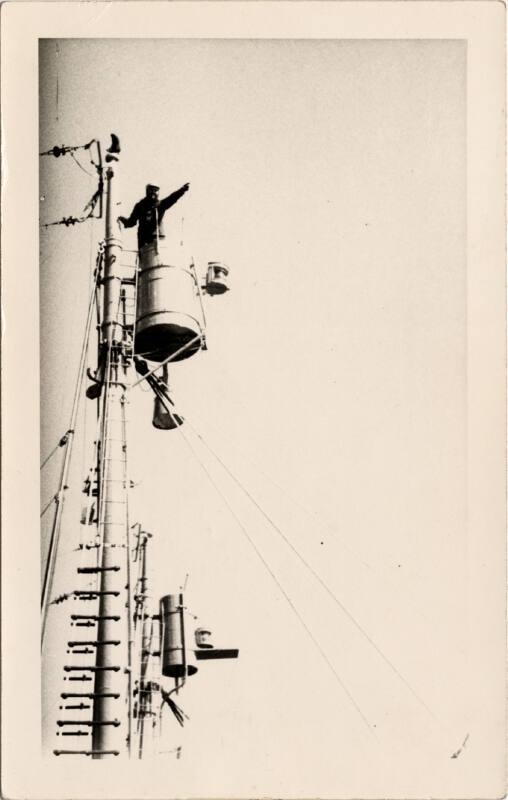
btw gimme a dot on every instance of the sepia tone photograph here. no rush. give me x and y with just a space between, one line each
269 540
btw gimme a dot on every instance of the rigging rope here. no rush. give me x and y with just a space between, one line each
84 217
60 443
85 417
103 437
443 726
374 570
166 361
103 423
60 497
103 456
48 504
280 587
317 577
130 633
310 513
96 198
80 165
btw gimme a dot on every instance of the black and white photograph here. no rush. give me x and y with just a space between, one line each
264 540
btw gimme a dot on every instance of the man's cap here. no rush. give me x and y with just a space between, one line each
152 186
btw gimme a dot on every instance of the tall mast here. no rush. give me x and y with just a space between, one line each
156 312
111 688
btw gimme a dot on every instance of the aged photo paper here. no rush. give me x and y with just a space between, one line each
277 568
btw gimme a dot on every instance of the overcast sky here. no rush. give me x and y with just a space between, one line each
330 176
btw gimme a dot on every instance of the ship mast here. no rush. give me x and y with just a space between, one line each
100 700
111 715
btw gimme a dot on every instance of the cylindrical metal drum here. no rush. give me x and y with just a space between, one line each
177 660
168 310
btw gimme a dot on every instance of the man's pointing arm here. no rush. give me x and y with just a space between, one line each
172 198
